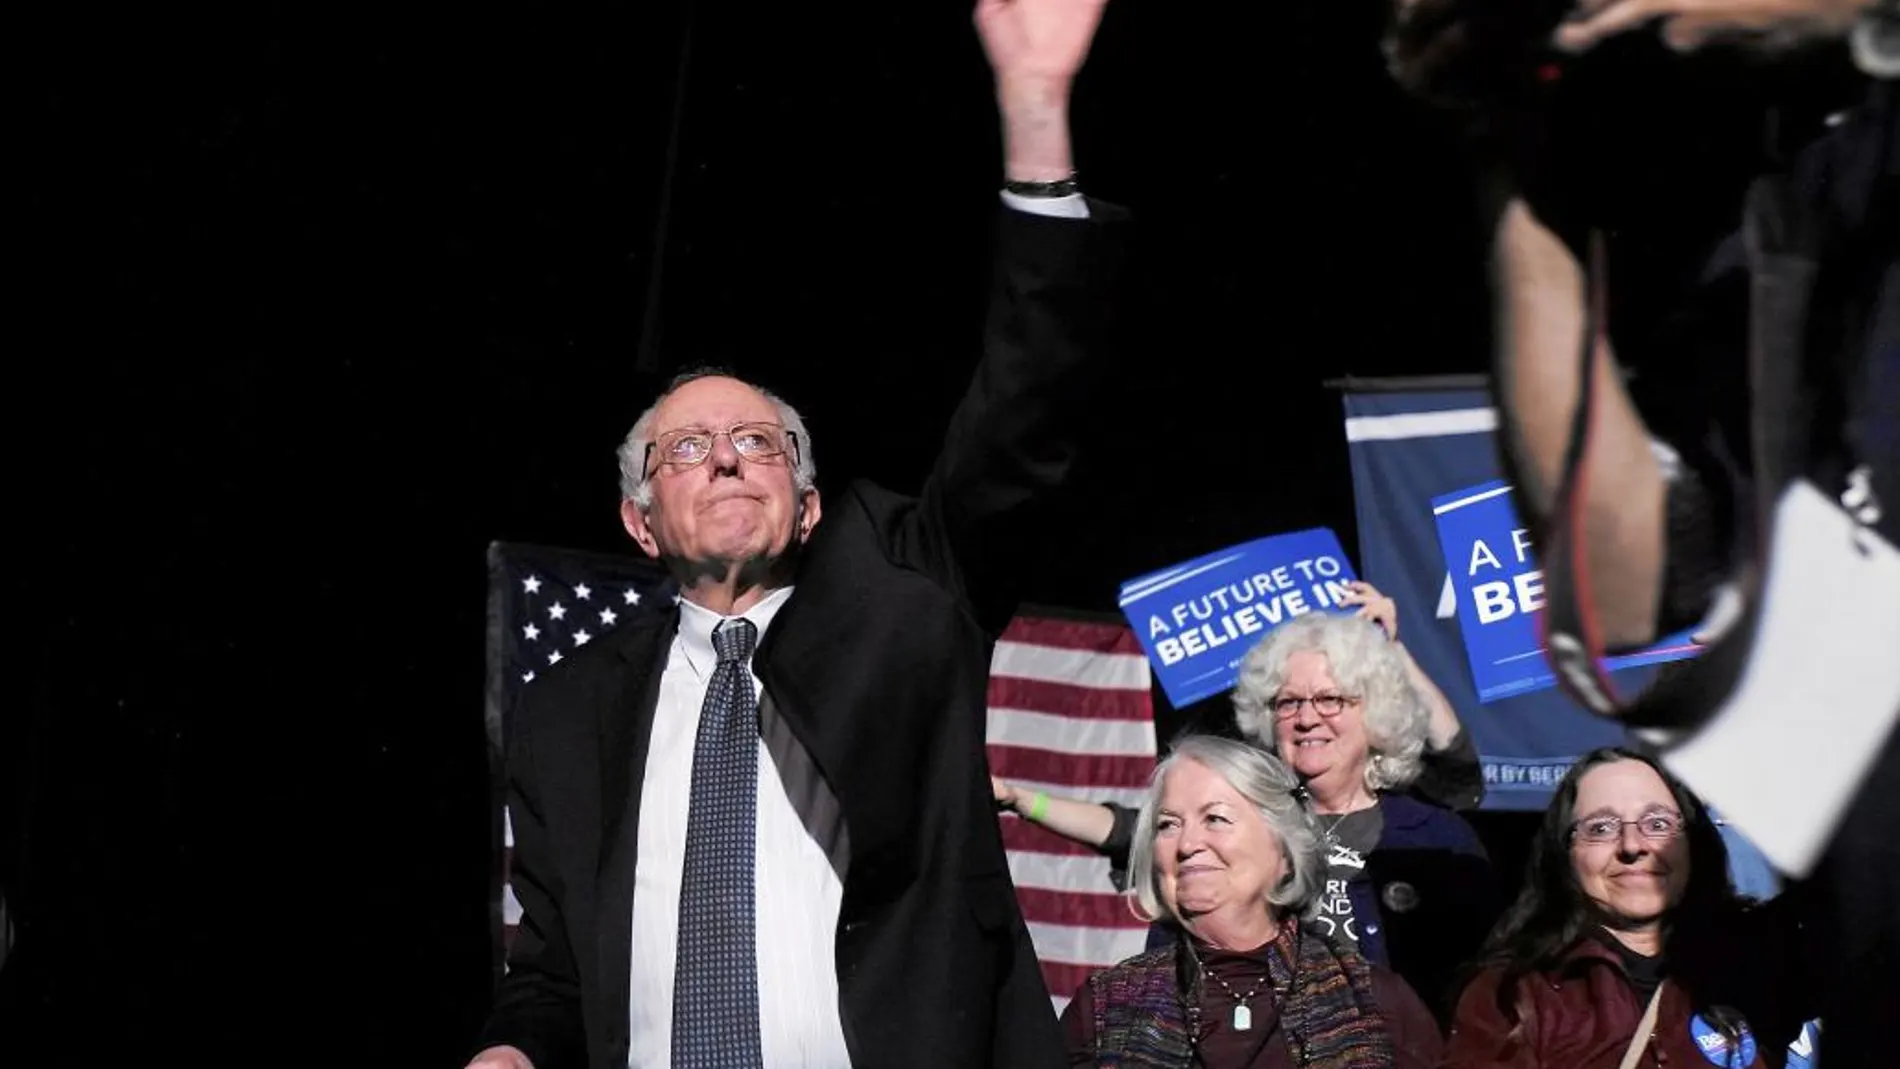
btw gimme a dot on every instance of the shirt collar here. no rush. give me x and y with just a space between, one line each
697 624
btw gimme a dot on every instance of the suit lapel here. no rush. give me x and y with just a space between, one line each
791 734
626 727
811 797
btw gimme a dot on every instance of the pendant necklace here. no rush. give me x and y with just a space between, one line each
1243 1013
1331 832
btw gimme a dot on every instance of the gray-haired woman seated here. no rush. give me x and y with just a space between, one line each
1226 849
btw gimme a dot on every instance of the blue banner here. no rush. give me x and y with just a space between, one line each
1500 592
1197 619
1409 449
1413 452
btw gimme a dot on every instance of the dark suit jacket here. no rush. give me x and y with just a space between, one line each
875 675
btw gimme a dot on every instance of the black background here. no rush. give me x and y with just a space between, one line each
319 301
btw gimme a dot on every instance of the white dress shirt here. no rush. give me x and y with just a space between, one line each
796 893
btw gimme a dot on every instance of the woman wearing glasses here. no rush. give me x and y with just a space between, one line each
1408 883
1449 773
1628 945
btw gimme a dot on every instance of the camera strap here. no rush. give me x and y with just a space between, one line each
1571 637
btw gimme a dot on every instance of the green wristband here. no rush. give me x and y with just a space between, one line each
1038 806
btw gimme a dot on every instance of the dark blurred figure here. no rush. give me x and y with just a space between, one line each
1777 455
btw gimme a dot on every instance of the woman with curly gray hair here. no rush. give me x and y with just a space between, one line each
1408 882
1226 848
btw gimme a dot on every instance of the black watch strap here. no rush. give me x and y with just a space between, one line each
1061 187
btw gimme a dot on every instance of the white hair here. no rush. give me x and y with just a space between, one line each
1364 663
636 483
1275 793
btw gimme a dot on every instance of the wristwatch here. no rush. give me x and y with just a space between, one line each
1061 187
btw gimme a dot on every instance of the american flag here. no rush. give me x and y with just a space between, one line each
1069 712
543 604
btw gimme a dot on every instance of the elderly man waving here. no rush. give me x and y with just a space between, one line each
755 831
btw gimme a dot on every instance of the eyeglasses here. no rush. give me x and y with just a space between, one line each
1287 707
689 447
1660 826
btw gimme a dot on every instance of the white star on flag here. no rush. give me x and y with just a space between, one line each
556 603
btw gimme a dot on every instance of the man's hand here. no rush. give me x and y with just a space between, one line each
1689 24
501 1058
1037 41
1035 48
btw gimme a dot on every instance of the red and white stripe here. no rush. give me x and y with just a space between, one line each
1070 712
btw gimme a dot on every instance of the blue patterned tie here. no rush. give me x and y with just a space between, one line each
716 979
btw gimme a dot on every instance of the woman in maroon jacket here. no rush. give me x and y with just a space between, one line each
1628 945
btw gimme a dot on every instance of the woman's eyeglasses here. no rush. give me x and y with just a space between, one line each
1656 827
1286 706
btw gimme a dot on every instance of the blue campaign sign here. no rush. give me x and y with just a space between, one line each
1197 619
1409 444
1500 593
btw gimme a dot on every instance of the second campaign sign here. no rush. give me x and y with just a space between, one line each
1198 618
1500 591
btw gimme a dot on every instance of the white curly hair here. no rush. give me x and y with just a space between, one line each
1363 662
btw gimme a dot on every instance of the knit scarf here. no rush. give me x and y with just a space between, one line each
1327 1015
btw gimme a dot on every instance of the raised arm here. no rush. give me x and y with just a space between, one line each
1442 726
1469 57
1105 827
1011 440
1538 288
1035 48
1452 775
1088 823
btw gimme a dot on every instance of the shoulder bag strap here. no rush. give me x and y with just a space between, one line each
1640 1041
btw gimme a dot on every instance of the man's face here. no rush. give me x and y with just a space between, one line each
726 509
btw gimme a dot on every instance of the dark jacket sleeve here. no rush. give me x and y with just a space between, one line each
1121 837
1452 777
537 1006
981 521
1078 1027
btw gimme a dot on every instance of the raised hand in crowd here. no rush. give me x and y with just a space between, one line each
1442 724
